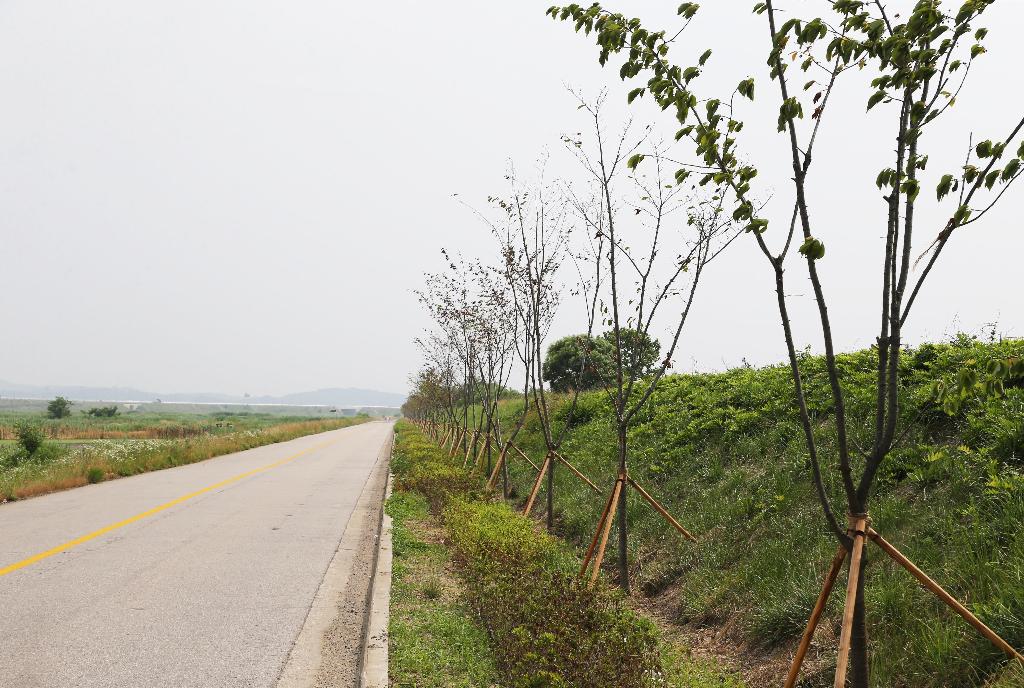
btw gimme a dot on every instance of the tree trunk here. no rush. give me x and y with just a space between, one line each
623 532
859 637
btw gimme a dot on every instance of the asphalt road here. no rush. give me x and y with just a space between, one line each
209 590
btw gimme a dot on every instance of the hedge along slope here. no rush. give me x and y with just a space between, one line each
724 452
545 627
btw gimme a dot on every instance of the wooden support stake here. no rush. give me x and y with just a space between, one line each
812 623
497 466
597 534
606 532
536 485
480 453
857 525
578 474
939 592
662 510
526 458
469 449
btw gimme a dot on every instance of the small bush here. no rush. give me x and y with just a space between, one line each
95 475
550 628
30 437
421 468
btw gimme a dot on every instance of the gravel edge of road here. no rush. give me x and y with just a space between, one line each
375 643
328 649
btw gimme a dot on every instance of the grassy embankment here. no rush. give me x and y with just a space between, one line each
724 452
522 617
56 467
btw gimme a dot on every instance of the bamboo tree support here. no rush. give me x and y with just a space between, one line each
470 447
484 446
858 524
526 458
504 457
608 516
939 592
661 510
588 557
493 479
867 532
536 484
457 439
576 472
819 609
606 531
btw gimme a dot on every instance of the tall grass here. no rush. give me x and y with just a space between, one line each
114 459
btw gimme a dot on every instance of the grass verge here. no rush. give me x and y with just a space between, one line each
433 640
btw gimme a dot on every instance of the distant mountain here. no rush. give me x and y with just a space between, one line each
334 396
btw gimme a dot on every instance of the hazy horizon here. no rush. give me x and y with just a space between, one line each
243 196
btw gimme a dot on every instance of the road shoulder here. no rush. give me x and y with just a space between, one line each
328 649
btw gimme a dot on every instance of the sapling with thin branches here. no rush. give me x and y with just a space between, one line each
653 245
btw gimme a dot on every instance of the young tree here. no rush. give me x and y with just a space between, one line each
918 59
654 255
535 237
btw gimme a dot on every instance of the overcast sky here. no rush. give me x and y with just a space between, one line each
241 196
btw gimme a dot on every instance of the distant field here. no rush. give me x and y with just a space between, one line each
81 449
145 425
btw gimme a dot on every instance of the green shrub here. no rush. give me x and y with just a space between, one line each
95 475
550 628
30 436
58 408
420 467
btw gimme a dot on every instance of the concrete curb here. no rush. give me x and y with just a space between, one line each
375 642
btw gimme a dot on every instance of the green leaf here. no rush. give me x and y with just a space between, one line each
984 149
634 160
875 99
812 249
758 225
704 57
963 213
746 88
945 184
1010 170
687 10
911 188
634 94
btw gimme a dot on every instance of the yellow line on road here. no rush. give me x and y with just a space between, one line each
150 512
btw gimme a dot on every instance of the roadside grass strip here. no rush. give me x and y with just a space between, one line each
434 641
70 544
